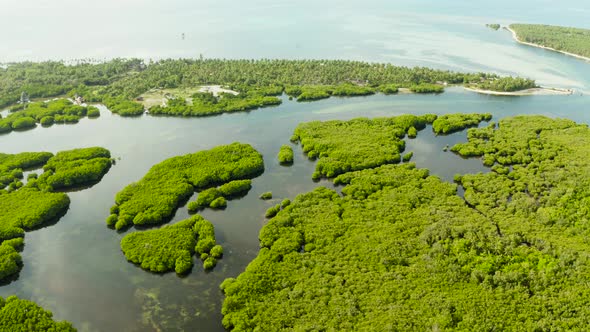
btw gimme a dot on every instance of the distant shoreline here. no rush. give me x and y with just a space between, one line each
515 37
527 92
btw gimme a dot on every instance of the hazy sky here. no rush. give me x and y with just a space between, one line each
65 29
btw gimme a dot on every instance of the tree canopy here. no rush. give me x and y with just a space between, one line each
23 315
24 208
344 146
157 195
74 168
572 40
449 123
400 250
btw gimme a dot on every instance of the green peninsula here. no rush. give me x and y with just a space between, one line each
572 41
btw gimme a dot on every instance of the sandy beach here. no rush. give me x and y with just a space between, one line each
527 92
515 36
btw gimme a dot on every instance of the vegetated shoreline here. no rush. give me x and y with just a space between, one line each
515 37
541 91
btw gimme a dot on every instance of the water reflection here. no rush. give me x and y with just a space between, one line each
75 267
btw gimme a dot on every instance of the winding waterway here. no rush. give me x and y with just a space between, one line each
75 268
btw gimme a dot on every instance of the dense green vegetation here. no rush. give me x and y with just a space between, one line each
266 195
494 26
388 89
356 248
427 88
49 79
400 250
25 122
285 73
408 156
23 315
285 155
204 104
34 205
235 188
215 198
157 195
273 210
572 40
315 92
28 208
123 107
47 121
344 146
12 165
172 247
93 112
118 83
20 210
449 123
10 259
74 168
507 84
45 113
218 203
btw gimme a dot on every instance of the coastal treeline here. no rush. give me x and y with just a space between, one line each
171 248
119 84
24 315
205 104
55 78
74 168
155 198
518 239
572 40
344 146
238 74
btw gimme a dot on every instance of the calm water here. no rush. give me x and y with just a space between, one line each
75 268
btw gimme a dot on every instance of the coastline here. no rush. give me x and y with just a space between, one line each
527 92
515 37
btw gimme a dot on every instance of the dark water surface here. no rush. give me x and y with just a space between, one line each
75 268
